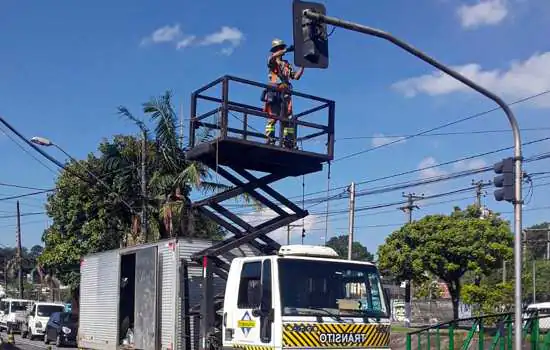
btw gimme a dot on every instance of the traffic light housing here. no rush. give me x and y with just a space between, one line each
310 36
505 181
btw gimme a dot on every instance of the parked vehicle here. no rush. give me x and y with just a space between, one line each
13 314
38 318
62 327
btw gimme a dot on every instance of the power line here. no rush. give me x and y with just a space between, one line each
23 187
24 214
26 151
451 133
477 115
24 195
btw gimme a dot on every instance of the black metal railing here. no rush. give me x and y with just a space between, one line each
229 118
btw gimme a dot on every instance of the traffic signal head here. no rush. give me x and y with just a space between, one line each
505 181
310 36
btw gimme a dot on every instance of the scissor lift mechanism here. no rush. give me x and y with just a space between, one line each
235 152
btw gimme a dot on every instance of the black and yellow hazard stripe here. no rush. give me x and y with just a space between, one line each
335 335
252 347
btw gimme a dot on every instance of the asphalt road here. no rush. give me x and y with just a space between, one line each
26 344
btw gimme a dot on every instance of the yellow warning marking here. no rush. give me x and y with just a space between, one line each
246 323
335 335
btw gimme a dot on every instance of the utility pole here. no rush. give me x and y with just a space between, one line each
5 275
18 253
351 218
144 185
288 228
534 281
181 126
479 190
408 209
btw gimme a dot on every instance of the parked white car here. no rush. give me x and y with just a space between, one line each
38 318
13 314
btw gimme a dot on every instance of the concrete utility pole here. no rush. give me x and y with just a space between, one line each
144 185
534 281
351 218
289 227
408 209
548 244
479 190
18 253
5 275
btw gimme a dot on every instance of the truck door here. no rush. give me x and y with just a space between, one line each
255 314
145 334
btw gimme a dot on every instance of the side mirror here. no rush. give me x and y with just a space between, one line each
387 298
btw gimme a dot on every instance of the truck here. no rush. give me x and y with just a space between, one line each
13 313
302 297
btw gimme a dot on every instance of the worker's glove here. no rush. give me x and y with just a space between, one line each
290 48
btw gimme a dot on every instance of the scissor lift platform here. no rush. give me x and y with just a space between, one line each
226 137
260 157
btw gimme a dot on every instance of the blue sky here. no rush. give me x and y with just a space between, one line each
64 69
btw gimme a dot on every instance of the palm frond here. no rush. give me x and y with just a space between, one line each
123 111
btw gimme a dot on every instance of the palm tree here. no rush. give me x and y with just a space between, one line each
171 178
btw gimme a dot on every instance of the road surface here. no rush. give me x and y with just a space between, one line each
26 344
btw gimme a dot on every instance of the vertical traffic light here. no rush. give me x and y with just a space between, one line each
310 36
505 182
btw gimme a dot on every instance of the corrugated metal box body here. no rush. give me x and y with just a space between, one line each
99 293
98 323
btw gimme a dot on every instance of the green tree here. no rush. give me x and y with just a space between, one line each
358 251
89 217
429 289
447 246
171 177
489 298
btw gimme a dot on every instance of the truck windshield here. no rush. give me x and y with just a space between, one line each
330 288
48 310
18 306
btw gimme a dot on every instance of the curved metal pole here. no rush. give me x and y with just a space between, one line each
511 118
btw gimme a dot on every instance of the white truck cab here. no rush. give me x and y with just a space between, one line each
304 298
13 313
38 318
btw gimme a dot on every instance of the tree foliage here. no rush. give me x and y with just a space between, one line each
91 215
358 251
447 246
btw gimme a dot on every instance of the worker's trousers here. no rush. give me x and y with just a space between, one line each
275 107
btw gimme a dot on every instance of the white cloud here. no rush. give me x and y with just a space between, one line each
432 171
164 34
486 12
226 34
380 139
469 164
229 36
522 79
311 222
185 42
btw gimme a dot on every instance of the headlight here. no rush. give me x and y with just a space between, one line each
66 330
38 324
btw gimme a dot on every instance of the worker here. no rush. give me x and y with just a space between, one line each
279 102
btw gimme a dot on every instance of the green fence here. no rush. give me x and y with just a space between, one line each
489 332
